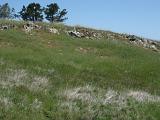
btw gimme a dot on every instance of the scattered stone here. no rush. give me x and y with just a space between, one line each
75 34
146 43
37 27
84 32
27 28
7 26
81 32
31 26
53 30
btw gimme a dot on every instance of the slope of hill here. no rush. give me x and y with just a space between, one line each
56 76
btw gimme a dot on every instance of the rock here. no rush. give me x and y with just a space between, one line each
131 38
5 27
37 27
75 34
146 43
153 47
53 30
31 26
27 28
84 32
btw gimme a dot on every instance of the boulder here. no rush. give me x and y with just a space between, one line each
32 25
27 28
84 32
53 30
75 34
37 27
5 27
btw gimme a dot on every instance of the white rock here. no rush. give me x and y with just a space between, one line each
53 30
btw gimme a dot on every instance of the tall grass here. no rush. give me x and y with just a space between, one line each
66 64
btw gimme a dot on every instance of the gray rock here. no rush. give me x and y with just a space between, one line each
53 30
75 34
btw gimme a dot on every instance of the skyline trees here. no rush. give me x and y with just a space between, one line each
6 12
53 14
34 12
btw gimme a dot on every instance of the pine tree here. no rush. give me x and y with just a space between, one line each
23 13
33 12
53 14
5 11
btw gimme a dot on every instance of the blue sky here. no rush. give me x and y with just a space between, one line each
139 17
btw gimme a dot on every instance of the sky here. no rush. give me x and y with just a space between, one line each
139 17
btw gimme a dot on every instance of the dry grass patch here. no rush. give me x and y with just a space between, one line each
90 102
5 102
142 96
20 77
92 96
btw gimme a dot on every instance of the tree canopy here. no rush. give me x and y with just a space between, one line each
6 11
53 14
33 12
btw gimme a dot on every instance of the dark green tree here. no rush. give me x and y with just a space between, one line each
5 11
33 12
53 14
23 13
61 16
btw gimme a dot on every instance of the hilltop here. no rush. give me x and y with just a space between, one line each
55 71
82 32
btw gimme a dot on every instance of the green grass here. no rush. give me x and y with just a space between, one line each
69 63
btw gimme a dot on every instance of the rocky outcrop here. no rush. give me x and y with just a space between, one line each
135 40
146 43
31 26
7 26
76 34
53 30
85 33
81 32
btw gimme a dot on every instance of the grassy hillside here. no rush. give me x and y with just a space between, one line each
44 76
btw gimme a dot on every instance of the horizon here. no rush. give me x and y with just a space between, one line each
140 18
